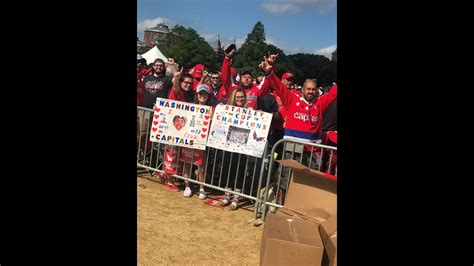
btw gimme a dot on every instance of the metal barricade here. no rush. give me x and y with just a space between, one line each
315 156
147 152
220 167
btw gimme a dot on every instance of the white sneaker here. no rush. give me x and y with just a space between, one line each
187 192
225 200
234 204
202 194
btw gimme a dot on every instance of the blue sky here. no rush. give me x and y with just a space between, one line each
295 26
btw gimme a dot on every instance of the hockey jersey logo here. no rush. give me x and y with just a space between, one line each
305 117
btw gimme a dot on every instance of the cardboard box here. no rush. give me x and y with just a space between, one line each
330 251
311 200
290 240
328 228
310 192
328 232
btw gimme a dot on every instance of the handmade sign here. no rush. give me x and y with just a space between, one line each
239 130
181 124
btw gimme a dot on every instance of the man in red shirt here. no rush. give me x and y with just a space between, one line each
217 89
287 80
246 81
304 112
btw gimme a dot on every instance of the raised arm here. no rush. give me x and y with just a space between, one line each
326 100
172 66
176 77
225 71
274 82
263 87
204 75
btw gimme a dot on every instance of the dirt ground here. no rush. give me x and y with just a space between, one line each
175 230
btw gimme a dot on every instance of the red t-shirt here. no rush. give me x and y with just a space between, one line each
177 97
252 93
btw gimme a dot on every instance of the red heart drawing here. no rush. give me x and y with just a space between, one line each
156 116
158 109
155 123
205 123
154 129
204 129
206 116
203 135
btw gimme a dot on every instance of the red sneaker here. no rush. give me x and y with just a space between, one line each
172 187
161 178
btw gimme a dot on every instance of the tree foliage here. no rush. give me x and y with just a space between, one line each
187 48
315 67
284 64
249 55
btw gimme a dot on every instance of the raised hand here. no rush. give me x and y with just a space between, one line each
271 58
204 75
265 66
268 62
178 74
230 54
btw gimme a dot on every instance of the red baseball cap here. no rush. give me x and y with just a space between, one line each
198 68
287 75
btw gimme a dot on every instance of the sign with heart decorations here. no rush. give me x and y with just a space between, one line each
180 124
239 130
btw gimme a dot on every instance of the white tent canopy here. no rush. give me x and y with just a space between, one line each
153 54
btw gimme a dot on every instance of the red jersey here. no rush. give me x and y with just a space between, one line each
304 119
176 96
279 124
252 93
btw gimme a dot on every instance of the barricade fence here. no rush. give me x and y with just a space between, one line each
234 173
312 155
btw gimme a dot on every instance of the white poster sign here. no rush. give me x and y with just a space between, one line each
180 124
239 130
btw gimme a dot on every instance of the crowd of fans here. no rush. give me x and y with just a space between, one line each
303 113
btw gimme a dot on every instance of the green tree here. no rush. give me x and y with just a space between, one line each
187 48
284 63
315 66
249 55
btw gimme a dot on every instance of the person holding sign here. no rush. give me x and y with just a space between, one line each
195 156
182 87
237 169
182 91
